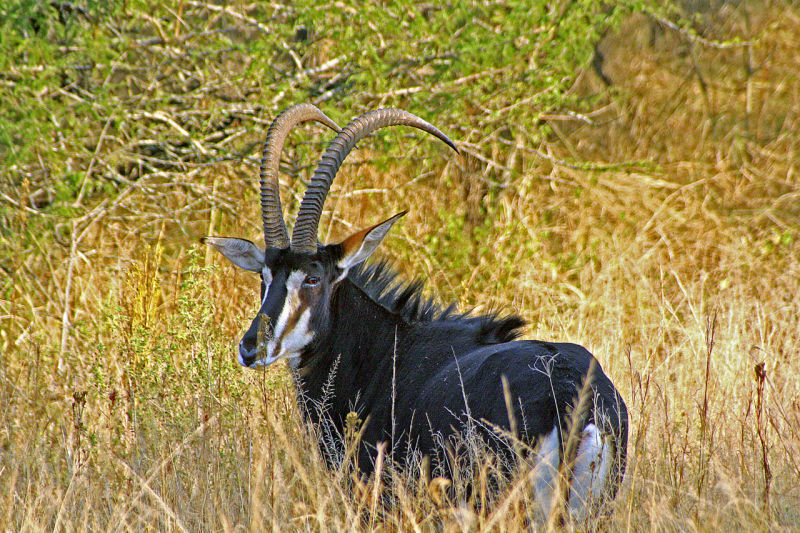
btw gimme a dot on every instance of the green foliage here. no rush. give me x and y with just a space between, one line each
447 59
49 52
78 68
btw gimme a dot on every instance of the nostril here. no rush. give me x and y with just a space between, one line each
253 343
246 356
248 344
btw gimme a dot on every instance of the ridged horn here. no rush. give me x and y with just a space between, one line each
304 236
275 234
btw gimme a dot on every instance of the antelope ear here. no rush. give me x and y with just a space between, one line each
240 252
357 247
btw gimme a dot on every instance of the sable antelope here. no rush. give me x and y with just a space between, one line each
360 340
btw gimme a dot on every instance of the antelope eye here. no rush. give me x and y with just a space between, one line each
311 281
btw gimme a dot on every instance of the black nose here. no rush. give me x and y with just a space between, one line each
247 354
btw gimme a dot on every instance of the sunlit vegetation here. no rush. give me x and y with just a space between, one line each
628 181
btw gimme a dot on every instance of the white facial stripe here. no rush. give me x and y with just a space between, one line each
294 340
267 274
297 339
293 283
295 280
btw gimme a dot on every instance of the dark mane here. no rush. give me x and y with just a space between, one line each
405 298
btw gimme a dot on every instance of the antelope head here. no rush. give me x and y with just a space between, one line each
298 279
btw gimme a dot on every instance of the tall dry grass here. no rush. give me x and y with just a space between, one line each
122 408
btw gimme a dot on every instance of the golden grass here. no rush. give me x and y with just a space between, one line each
121 406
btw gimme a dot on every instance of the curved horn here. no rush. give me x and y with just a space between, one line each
275 234
304 236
